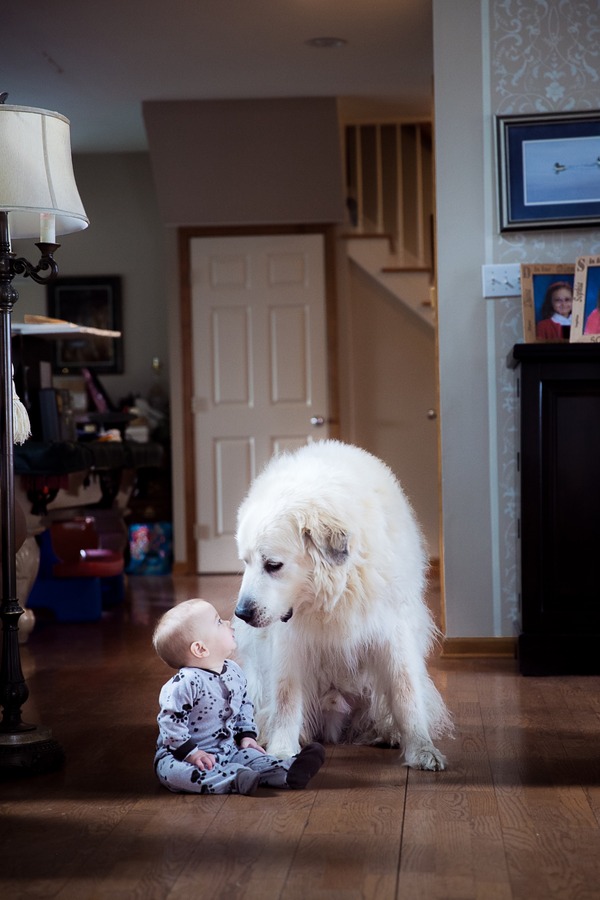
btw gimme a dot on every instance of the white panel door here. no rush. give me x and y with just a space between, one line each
260 373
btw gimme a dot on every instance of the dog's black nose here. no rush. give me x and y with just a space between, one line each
244 612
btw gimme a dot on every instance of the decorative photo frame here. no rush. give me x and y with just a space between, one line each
548 170
547 293
586 301
95 302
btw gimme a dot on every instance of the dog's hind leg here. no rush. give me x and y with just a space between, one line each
417 710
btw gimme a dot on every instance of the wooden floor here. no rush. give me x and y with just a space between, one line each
516 815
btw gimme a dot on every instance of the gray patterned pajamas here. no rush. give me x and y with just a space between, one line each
204 710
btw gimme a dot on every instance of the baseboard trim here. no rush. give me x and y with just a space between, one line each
470 648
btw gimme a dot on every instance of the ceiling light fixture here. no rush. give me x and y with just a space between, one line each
326 43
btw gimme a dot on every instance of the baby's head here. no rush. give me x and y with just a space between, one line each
193 634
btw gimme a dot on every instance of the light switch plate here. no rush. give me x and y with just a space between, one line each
501 280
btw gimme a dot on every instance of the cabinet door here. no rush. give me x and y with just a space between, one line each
561 505
560 512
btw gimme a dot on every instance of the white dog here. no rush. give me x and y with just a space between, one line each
335 630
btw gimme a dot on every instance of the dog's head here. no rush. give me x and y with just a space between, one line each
296 560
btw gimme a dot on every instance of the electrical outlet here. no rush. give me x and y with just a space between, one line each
501 280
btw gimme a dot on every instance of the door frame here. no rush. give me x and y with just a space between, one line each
184 237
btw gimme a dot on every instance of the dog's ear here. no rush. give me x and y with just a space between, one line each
331 543
328 549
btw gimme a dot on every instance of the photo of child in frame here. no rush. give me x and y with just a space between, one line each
547 292
554 320
592 301
586 300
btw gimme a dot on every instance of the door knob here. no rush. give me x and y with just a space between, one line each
432 413
317 421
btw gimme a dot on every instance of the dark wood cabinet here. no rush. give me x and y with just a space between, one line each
559 388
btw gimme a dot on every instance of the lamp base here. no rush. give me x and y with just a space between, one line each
31 752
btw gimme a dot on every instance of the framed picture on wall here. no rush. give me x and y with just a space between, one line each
547 297
94 302
586 300
548 170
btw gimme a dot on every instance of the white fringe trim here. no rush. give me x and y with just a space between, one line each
21 423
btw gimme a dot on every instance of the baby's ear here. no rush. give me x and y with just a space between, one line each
199 650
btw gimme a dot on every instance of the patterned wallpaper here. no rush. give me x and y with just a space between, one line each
544 57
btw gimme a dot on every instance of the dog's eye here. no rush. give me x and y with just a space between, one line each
271 566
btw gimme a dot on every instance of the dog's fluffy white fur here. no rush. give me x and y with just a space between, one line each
333 630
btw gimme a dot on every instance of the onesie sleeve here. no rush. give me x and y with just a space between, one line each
176 701
245 725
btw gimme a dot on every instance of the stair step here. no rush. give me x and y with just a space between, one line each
392 269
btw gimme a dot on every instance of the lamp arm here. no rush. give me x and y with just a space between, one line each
47 264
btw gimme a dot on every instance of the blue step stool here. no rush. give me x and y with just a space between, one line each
73 591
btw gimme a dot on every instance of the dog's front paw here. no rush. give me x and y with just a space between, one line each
282 747
427 757
282 752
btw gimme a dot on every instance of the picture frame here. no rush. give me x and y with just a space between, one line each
548 170
541 286
586 301
94 301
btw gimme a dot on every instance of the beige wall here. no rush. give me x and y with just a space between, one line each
463 351
393 358
246 162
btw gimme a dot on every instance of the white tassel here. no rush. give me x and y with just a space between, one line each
21 423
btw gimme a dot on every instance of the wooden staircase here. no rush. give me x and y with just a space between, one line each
389 195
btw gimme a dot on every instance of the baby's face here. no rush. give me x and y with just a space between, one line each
213 631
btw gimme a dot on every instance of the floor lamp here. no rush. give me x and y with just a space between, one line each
38 197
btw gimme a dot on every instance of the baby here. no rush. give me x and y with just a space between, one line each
207 735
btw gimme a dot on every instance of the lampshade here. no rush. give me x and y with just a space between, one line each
36 173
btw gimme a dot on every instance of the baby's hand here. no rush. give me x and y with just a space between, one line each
250 742
201 759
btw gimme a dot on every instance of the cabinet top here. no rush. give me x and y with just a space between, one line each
548 352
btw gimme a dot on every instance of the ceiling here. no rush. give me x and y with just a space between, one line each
96 62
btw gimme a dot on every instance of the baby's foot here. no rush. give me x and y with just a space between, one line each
306 764
246 781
